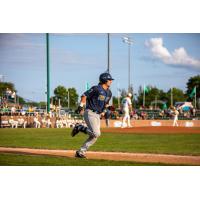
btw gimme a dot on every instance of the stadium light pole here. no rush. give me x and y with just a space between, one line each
2 78
48 73
108 64
128 41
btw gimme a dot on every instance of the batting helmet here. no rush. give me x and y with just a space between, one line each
129 95
103 78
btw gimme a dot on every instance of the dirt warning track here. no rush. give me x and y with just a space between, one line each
134 157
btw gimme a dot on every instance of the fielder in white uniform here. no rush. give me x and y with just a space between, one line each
175 114
126 109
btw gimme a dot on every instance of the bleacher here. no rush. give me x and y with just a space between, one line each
156 114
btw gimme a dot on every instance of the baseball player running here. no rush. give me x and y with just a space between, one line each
95 100
126 108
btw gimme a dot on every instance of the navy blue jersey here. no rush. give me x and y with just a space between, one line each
97 98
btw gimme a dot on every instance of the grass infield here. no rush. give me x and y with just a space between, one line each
179 144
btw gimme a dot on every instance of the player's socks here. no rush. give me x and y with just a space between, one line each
85 130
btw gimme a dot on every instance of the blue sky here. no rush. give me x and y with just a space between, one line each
161 60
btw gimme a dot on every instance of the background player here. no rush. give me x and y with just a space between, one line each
126 109
96 100
175 114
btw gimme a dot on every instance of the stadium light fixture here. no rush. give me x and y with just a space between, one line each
128 41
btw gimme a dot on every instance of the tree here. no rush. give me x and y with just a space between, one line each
140 96
4 86
73 96
193 88
21 100
193 82
152 94
62 93
155 94
11 87
177 94
116 104
42 104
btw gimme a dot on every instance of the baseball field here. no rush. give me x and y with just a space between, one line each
116 147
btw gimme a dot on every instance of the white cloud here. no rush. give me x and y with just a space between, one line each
177 57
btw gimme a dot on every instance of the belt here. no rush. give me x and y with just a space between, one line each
97 112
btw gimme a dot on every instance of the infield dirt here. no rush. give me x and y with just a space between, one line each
136 157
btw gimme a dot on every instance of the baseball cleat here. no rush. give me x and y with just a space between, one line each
79 155
75 130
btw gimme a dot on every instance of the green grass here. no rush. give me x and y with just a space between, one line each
180 144
8 159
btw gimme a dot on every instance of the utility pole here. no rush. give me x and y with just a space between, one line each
128 41
68 98
48 74
108 63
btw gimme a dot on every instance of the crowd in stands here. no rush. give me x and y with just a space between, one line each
42 120
18 116
38 121
15 123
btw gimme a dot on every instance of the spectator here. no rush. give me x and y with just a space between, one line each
180 110
30 109
22 122
12 122
161 113
144 115
48 122
70 123
8 92
193 112
150 107
44 122
115 115
5 110
13 110
36 121
135 115
22 112
64 122
13 95
59 123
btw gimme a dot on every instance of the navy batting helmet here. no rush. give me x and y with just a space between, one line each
103 78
